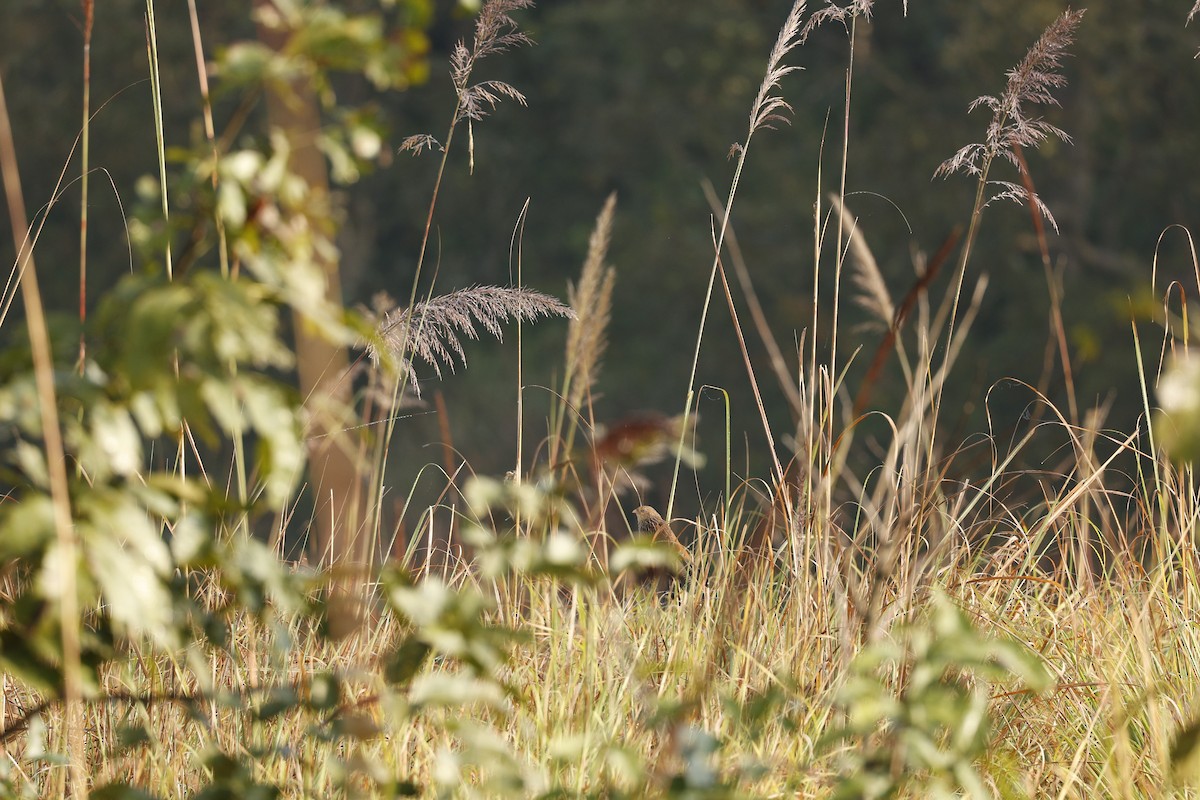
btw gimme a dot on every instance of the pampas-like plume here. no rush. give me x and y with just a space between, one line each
1021 196
592 302
495 32
421 141
835 13
1032 82
431 330
1029 83
769 107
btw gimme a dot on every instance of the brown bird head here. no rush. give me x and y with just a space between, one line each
649 520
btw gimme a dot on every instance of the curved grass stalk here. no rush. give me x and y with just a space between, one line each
768 108
70 618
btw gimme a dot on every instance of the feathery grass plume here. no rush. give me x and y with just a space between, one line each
591 301
768 107
835 13
1021 196
430 330
419 142
495 32
1032 82
874 296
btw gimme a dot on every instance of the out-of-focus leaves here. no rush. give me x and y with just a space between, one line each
26 525
452 690
200 357
279 700
319 38
233 778
402 665
130 736
31 646
1185 754
1177 424
120 791
451 622
130 563
324 691
643 553
927 732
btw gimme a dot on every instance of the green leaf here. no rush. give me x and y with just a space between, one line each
26 525
130 736
192 541
252 63
120 791
404 664
281 449
58 572
1185 754
116 441
36 736
21 658
454 690
324 691
129 559
280 700
643 553
222 402
1178 423
32 462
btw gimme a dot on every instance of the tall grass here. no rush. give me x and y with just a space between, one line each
571 657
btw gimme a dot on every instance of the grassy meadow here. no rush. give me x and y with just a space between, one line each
884 613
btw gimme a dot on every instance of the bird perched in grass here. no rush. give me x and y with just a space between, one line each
651 522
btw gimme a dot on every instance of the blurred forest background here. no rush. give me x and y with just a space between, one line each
644 98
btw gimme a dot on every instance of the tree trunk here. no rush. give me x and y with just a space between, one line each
336 538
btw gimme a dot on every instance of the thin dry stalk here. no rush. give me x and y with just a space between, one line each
780 477
210 130
89 19
787 381
768 108
70 619
1032 82
1057 328
848 16
891 339
900 512
159 136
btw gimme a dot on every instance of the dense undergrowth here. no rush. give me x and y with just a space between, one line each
823 630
